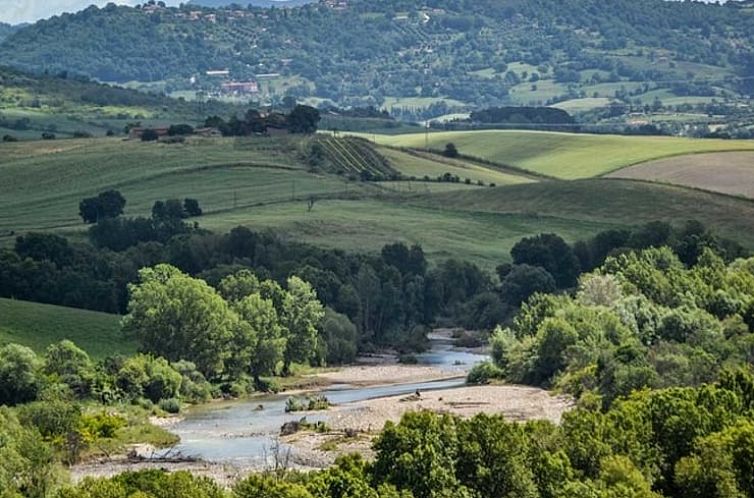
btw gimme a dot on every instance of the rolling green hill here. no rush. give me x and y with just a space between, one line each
620 202
42 191
419 164
406 55
268 183
562 155
39 325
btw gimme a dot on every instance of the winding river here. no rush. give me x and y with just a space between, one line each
243 432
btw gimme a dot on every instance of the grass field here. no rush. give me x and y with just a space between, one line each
39 325
725 172
420 164
365 225
619 202
42 191
563 155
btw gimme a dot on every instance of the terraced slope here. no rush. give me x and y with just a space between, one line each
354 157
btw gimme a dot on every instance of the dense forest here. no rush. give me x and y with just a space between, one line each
457 50
5 30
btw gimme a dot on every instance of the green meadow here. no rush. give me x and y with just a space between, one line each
38 325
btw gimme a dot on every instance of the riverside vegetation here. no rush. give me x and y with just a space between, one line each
214 258
666 308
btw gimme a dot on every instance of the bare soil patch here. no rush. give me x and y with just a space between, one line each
384 374
353 426
729 173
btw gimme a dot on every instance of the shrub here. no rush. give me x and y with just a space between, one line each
340 337
483 373
9 138
268 486
294 404
102 425
71 365
408 359
194 387
180 129
151 377
19 382
310 403
240 388
191 206
450 150
268 386
172 405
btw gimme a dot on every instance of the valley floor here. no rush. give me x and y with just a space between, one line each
353 426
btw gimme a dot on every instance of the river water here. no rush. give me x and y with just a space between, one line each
244 432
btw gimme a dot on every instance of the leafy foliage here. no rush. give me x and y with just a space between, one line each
567 43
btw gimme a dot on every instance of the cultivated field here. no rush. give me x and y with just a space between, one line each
420 164
725 172
39 325
563 155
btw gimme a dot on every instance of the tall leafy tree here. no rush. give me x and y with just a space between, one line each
261 340
180 318
302 314
107 204
550 252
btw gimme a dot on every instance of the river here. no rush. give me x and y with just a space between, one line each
243 433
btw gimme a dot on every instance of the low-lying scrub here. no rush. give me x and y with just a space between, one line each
309 403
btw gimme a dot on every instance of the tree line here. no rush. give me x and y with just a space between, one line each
301 119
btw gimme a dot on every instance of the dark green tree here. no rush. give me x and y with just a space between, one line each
303 119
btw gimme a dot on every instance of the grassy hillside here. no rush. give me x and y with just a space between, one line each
563 155
261 183
268 183
725 172
42 191
366 224
419 164
39 325
620 202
